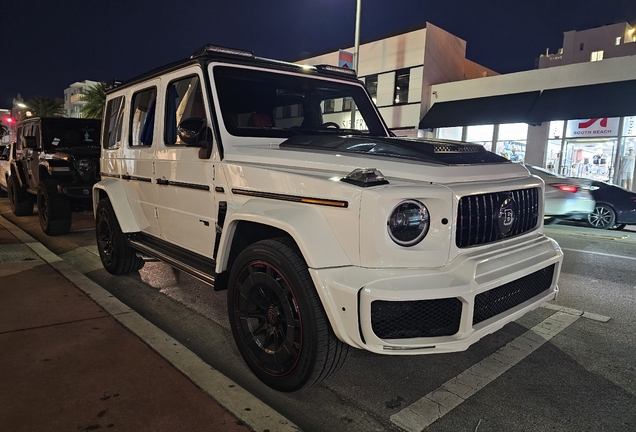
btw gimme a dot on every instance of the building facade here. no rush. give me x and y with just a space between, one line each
73 97
398 72
574 115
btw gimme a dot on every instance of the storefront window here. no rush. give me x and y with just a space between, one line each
553 155
450 133
481 134
511 142
626 163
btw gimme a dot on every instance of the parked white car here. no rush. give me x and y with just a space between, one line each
6 156
245 173
565 197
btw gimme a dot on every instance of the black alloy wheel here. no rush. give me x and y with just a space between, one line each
277 319
602 217
54 210
117 257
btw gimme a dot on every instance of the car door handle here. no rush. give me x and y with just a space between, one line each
162 182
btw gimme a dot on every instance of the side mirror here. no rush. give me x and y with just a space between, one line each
205 149
190 130
30 142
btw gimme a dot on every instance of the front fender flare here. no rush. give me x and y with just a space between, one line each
303 222
114 188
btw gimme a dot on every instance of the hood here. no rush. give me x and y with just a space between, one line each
439 152
76 152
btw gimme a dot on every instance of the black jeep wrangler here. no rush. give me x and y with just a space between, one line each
57 161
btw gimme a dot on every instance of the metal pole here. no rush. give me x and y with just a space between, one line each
356 47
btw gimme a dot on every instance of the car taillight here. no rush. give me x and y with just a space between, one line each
566 188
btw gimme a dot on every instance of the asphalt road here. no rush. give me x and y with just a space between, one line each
582 379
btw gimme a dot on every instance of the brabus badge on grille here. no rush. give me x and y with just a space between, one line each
507 215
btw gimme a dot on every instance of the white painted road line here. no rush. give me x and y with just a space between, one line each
589 315
601 254
422 413
242 404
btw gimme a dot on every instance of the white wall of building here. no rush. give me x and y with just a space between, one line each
73 97
610 70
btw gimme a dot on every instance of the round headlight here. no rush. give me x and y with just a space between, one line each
408 223
85 165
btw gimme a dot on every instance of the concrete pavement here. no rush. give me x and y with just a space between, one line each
68 363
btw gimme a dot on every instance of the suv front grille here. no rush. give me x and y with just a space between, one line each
500 299
413 319
478 216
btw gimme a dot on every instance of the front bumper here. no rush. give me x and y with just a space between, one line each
76 192
348 294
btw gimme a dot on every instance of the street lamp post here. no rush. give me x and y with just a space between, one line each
356 56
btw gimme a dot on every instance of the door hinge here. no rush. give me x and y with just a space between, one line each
153 168
156 213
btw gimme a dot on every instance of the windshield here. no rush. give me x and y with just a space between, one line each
268 104
71 134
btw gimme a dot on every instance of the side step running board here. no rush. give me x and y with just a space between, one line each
200 269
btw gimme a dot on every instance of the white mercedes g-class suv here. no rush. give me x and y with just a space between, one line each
246 173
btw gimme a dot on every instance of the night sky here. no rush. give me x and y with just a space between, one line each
47 45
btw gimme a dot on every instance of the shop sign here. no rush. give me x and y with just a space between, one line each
594 127
345 59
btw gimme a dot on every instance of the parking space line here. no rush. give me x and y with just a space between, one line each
600 253
589 315
451 394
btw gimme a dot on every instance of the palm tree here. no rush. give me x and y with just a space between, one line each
95 98
42 106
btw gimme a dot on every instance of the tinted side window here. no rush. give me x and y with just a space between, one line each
113 122
36 133
184 100
142 123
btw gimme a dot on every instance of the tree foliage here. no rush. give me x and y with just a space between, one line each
95 98
42 106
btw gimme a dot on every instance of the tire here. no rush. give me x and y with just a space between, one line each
20 200
551 220
117 257
618 227
602 217
277 319
54 210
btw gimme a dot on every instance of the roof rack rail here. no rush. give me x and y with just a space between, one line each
215 49
111 84
342 70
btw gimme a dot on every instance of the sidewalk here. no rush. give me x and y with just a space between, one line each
68 365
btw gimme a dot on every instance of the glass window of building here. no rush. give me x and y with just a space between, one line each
329 106
450 133
481 134
402 78
512 140
346 104
371 82
596 56
618 40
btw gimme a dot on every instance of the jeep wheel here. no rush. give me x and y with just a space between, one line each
117 257
277 319
19 199
54 210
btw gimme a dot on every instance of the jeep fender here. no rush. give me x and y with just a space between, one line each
116 193
15 170
303 222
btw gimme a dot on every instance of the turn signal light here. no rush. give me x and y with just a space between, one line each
567 188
